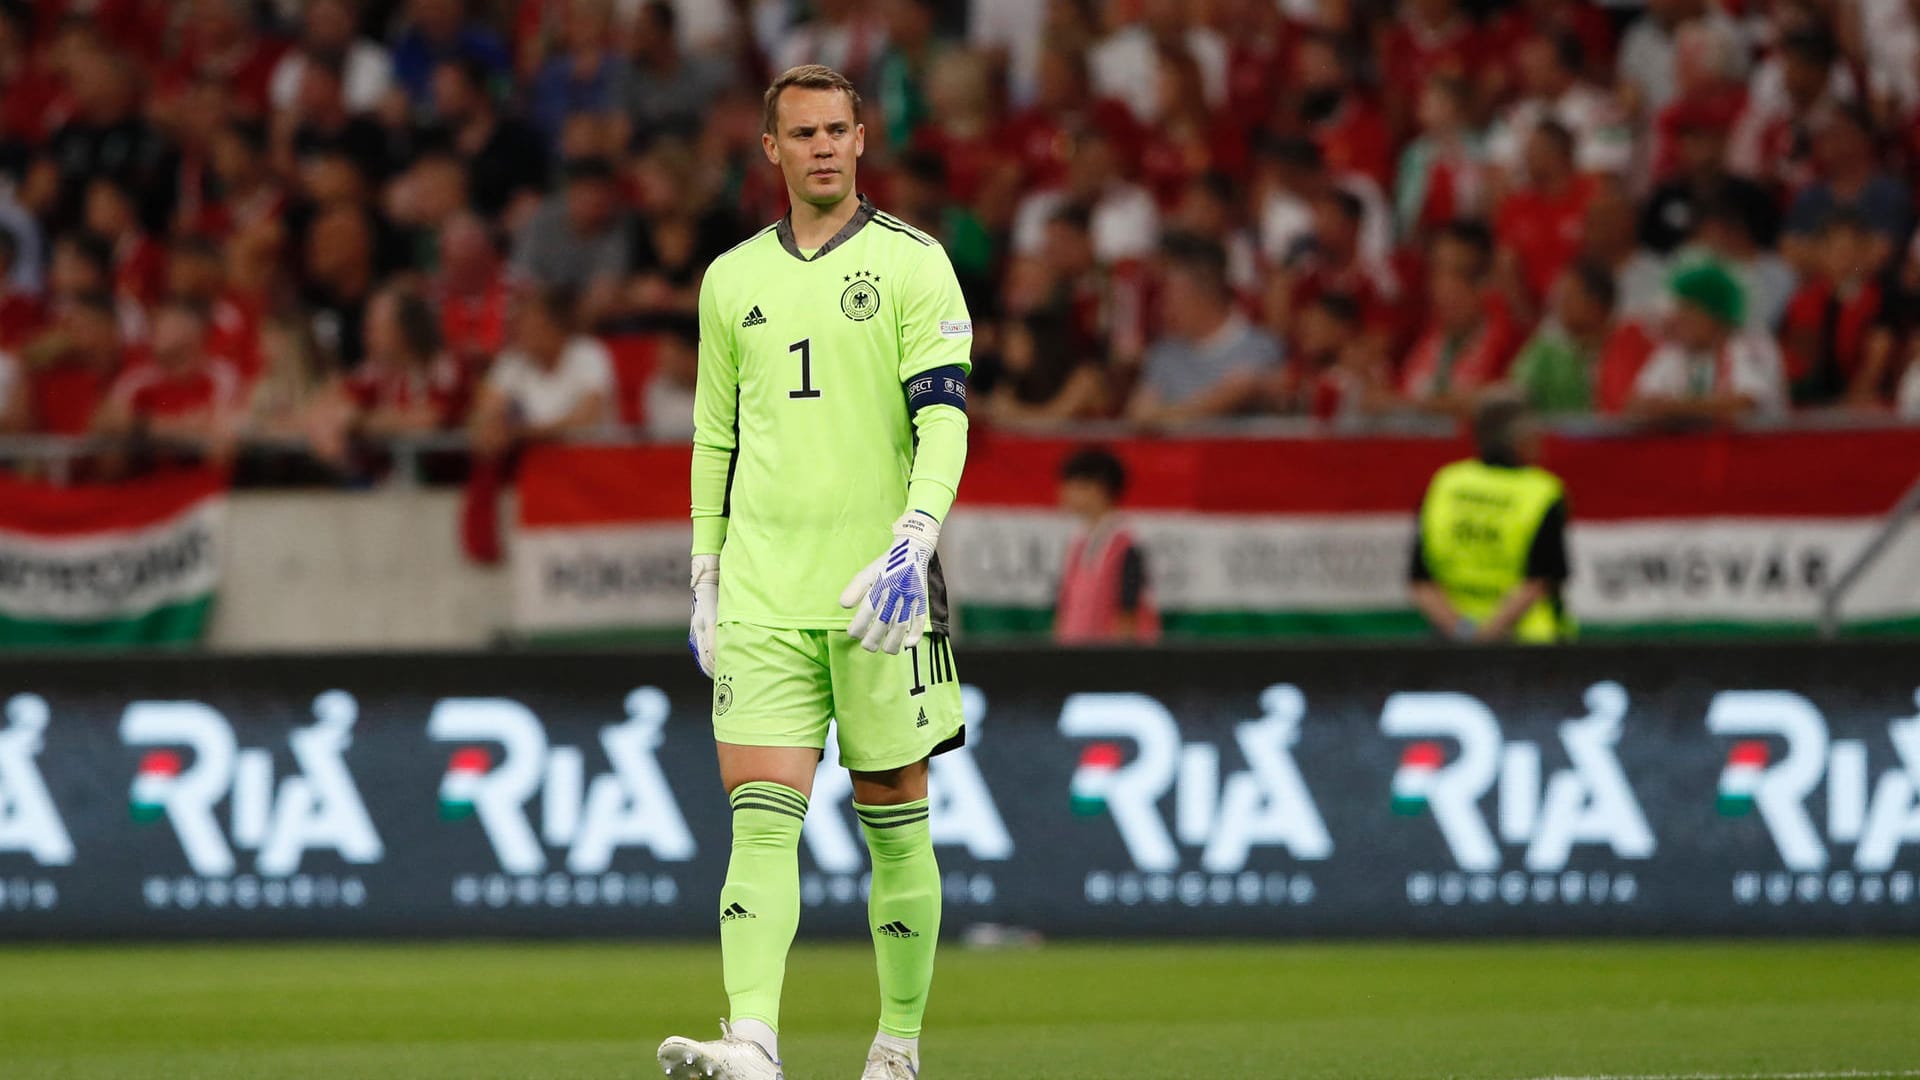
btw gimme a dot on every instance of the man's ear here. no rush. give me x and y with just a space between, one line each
772 150
859 140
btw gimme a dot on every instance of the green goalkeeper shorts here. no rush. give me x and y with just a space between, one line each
776 687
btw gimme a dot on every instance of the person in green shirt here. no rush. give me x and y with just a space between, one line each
1558 368
830 429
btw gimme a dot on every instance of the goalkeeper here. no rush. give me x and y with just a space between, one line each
830 432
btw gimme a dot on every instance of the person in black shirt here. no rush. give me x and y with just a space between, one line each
507 162
325 126
1677 206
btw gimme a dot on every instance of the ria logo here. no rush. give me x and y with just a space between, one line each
1587 803
29 821
316 808
630 806
1877 818
1267 804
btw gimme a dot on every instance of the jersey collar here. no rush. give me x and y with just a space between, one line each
854 224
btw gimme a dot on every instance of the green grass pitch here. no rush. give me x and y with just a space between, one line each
1073 1012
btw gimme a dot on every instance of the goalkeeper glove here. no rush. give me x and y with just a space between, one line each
891 591
706 606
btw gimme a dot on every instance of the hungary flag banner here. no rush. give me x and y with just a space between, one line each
1721 532
121 564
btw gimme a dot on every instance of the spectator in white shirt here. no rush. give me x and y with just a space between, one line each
1125 221
551 383
1708 368
328 27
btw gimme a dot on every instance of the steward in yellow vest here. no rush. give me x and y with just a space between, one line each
1490 561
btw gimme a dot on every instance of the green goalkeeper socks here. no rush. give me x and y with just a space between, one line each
904 909
760 903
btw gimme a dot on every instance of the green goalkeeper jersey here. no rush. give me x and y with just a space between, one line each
831 399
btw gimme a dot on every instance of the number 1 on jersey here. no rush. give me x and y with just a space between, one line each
807 390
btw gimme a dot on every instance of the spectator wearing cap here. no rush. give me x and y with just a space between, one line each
1830 320
584 76
1442 174
70 366
1707 368
1469 336
579 239
551 383
1104 596
666 90
505 158
330 27
1553 89
1726 236
1558 369
1212 362
1540 223
1850 180
1700 177
438 31
182 394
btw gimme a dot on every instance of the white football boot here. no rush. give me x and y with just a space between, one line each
884 1063
729 1057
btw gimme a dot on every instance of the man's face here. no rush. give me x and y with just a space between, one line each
817 144
453 99
539 335
92 332
1702 149
1804 79
1577 311
1693 329
1540 68
1545 160
193 274
1083 498
176 340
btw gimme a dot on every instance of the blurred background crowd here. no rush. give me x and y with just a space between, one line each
320 223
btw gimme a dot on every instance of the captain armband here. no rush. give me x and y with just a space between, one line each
940 386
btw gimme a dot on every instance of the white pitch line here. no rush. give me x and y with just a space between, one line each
1845 1075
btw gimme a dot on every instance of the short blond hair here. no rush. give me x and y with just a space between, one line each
806 77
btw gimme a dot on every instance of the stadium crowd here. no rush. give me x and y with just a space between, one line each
325 221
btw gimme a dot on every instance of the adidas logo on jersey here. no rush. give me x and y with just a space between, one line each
735 911
897 929
754 318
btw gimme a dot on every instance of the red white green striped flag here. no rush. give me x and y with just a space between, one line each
119 564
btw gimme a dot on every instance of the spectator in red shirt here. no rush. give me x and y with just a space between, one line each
1042 134
1576 19
472 294
1350 130
1539 224
1104 595
1469 336
1830 319
406 385
218 40
964 132
70 367
1333 261
1443 173
197 275
182 394
1428 39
